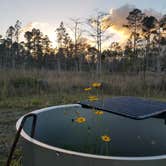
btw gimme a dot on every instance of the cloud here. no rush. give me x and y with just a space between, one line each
117 19
118 16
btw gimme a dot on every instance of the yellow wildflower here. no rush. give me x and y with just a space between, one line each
96 84
87 89
80 120
99 112
93 98
105 138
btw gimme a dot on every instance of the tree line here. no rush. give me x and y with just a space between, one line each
145 50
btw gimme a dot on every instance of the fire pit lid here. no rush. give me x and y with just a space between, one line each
132 107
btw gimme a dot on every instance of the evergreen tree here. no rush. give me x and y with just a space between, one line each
134 19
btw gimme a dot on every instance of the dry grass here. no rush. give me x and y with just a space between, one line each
22 83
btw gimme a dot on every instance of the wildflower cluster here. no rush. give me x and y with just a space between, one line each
95 85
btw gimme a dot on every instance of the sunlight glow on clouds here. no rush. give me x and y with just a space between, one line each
116 19
49 30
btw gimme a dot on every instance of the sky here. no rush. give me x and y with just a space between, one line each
55 11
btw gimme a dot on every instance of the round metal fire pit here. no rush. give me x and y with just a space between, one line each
70 135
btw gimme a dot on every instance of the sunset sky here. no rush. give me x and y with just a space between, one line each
49 13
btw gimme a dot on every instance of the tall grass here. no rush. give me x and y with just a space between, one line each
22 83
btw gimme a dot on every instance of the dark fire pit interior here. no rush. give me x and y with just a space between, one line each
82 129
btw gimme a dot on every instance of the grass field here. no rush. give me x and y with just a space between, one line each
24 91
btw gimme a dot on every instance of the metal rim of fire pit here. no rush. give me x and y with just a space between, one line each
60 150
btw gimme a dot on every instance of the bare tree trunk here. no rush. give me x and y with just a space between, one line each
100 58
159 53
147 52
144 65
